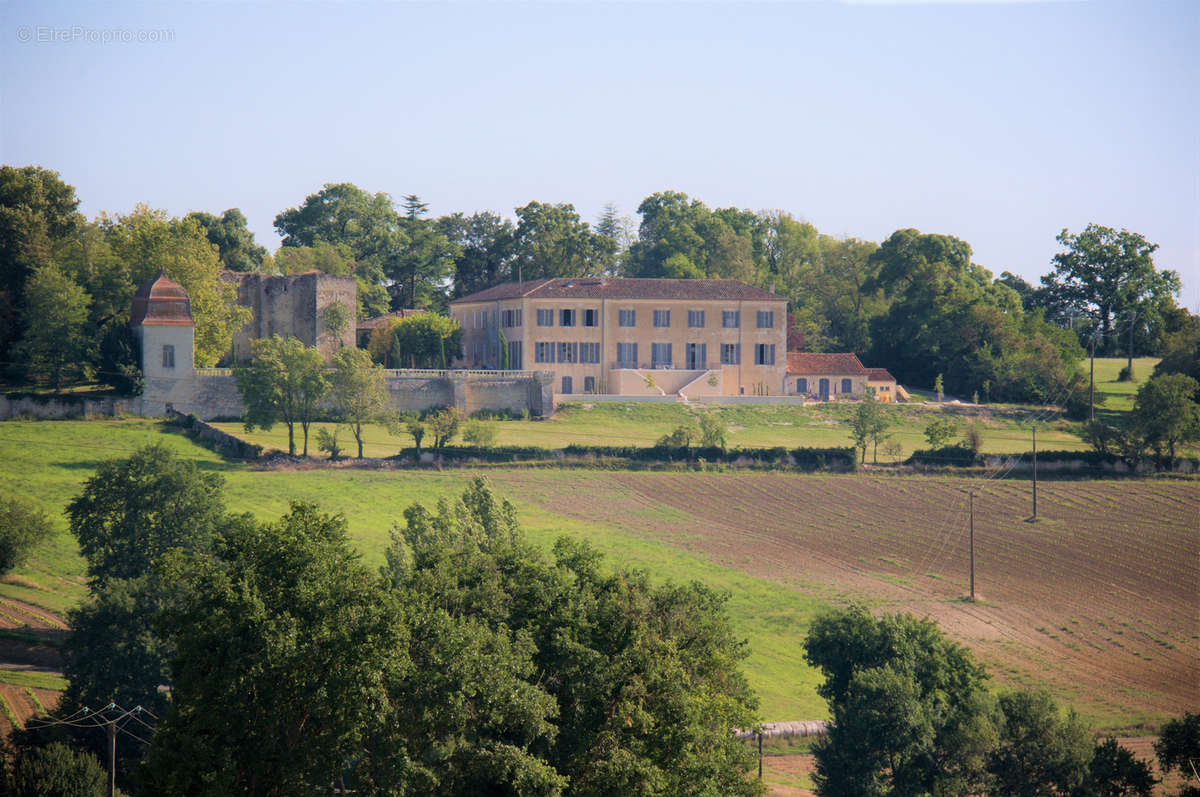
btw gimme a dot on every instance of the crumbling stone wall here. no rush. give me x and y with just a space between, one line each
291 306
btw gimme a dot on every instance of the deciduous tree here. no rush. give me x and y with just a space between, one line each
22 527
359 391
56 347
284 381
910 713
1108 273
231 235
1165 413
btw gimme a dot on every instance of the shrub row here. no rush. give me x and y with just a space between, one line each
807 459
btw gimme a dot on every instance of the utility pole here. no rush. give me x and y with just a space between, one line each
1035 471
1132 317
972 527
1092 378
112 759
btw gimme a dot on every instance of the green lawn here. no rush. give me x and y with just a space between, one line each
1005 427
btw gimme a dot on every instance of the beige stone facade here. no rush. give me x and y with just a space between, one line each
631 336
825 377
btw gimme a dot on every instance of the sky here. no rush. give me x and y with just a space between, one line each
1000 123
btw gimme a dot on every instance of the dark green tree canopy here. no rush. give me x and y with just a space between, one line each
132 511
1109 274
284 381
231 235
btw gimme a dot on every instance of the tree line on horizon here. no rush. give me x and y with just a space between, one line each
915 303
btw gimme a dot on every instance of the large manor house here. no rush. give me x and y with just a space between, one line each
525 345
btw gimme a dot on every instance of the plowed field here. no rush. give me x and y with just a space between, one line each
1100 598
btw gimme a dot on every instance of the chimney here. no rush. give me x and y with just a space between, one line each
772 286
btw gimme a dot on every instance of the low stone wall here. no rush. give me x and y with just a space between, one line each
222 442
61 407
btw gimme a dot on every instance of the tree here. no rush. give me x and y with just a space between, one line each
22 528
644 679
419 264
416 429
359 391
1039 751
712 432
1115 772
910 712
283 381
132 511
425 340
553 241
1107 274
939 432
121 358
57 770
129 515
479 433
1178 747
289 608
335 319
327 442
1165 413
682 238
869 423
322 256
367 225
486 245
56 346
150 241
37 209
444 425
231 235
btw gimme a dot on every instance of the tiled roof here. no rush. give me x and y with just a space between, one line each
380 320
879 375
802 362
161 302
622 288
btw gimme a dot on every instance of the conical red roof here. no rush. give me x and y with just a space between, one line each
162 302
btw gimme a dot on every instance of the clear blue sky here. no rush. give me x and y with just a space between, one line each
1000 123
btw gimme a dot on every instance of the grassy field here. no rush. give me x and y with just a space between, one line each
768 539
1005 428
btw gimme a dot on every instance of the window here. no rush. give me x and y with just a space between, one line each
627 355
545 318
695 356
566 384
660 355
801 385
510 318
168 356
846 386
568 352
764 354
514 355
730 353
589 352
766 319
731 319
543 352
696 319
591 318
589 384
662 318
566 318
627 318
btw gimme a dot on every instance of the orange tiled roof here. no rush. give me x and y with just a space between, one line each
803 362
161 302
879 375
622 288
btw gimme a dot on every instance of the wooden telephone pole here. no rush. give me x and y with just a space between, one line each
972 536
1035 471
